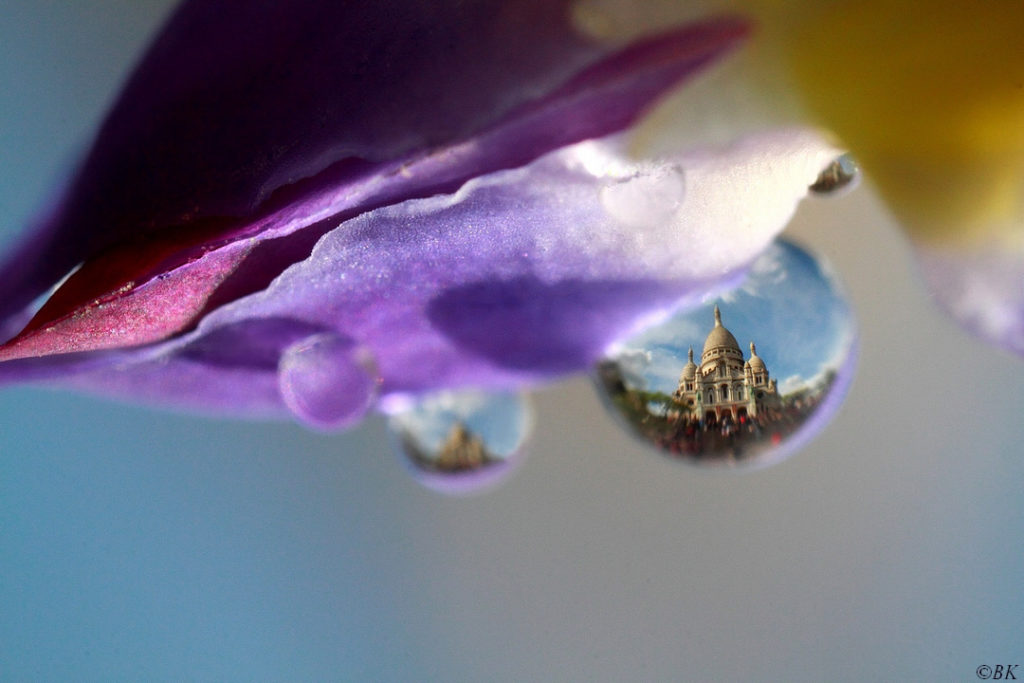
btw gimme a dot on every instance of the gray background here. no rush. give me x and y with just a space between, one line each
139 545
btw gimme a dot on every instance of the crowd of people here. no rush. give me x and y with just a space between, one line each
690 436
678 431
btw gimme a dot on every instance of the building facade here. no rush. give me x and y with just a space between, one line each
725 386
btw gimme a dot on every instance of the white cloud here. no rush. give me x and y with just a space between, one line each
792 383
633 363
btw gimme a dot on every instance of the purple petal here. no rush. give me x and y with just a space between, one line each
520 277
234 100
982 287
298 116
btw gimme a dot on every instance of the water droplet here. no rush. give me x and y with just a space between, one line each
463 442
650 196
838 178
327 381
688 387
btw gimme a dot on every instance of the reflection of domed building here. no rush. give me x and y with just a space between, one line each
725 384
461 451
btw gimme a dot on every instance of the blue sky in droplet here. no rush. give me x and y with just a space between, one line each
790 305
502 421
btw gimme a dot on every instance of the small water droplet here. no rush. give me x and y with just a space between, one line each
327 381
721 405
838 178
650 196
463 442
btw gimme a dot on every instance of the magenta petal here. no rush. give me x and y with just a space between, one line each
151 312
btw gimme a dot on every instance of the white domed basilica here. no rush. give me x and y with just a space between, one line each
725 385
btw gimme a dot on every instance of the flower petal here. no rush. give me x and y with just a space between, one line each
520 277
981 287
215 140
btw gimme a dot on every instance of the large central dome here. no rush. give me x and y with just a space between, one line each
720 338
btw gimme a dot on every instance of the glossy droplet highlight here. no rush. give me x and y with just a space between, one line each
691 389
463 442
838 178
327 381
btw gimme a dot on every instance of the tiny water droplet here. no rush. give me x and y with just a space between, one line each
651 196
726 407
327 381
838 178
463 442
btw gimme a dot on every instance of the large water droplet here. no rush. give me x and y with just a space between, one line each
688 387
838 178
463 442
327 381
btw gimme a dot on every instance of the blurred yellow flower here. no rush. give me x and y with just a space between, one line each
928 96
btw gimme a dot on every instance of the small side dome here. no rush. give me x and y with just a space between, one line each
755 361
690 369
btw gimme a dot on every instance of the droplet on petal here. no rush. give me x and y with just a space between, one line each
690 388
838 178
327 381
651 196
463 442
